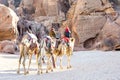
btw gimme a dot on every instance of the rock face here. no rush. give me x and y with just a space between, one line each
27 6
88 27
8 23
87 6
11 4
4 2
40 7
109 35
87 19
7 47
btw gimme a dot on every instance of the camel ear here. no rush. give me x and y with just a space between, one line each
72 39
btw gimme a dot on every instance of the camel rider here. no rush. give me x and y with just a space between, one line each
52 33
67 35
67 32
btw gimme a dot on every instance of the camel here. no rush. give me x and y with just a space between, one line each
37 29
64 49
46 47
28 47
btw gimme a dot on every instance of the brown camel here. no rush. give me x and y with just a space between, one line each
28 47
46 47
64 49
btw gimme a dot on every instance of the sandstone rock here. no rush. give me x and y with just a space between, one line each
117 19
8 23
72 1
110 35
71 11
52 8
4 2
7 47
88 27
40 8
110 29
87 19
27 6
46 8
19 12
11 4
47 21
86 7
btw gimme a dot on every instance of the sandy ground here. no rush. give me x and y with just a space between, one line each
86 65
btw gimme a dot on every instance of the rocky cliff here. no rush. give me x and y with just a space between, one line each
8 23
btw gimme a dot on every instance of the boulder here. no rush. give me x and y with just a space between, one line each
32 9
8 23
87 29
109 35
71 11
27 6
5 2
46 8
87 6
40 8
7 46
11 4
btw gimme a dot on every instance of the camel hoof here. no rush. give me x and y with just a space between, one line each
68 67
38 72
51 70
18 72
46 71
55 67
41 72
27 72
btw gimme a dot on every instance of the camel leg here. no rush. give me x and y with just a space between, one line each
37 55
47 65
18 71
53 61
39 71
61 63
24 59
37 61
21 53
55 58
68 62
29 63
39 65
